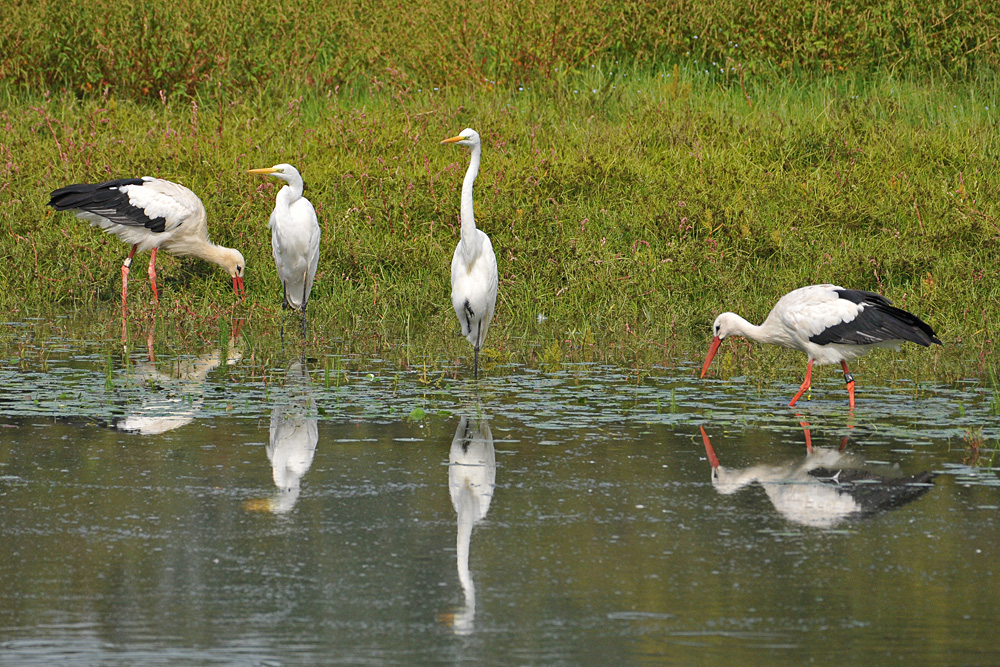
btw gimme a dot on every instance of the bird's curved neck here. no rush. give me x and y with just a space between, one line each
741 327
207 251
468 214
290 193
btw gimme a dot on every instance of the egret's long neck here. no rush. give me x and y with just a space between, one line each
290 193
469 237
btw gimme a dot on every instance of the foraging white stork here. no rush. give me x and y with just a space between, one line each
295 238
825 488
830 324
474 265
149 214
472 472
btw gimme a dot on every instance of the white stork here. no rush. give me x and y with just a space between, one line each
830 324
149 214
295 238
474 266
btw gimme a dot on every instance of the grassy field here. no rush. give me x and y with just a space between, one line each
629 202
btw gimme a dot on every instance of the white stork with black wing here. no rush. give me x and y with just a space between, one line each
149 214
830 324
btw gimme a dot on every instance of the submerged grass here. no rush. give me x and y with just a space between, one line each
627 208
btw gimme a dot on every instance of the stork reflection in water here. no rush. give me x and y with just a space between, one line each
826 487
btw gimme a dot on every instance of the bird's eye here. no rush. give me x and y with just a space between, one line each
239 270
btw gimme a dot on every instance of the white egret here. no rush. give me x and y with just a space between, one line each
474 266
830 324
295 238
149 214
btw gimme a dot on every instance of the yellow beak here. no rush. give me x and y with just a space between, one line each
265 170
451 140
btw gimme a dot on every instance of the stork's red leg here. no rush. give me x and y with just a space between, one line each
152 275
805 383
849 379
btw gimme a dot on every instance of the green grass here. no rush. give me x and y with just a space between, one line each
628 201
628 217
87 47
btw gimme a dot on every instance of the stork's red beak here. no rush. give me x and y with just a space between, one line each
712 458
712 349
238 286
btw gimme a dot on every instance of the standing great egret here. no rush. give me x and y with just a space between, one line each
474 266
149 214
830 324
294 239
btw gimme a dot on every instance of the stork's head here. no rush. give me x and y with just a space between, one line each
467 137
232 260
725 324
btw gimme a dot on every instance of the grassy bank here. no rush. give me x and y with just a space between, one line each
143 50
627 208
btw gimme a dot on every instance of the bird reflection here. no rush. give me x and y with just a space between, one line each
177 395
472 472
292 444
827 487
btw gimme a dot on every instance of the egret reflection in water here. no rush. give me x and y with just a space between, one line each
291 446
826 487
472 472
176 395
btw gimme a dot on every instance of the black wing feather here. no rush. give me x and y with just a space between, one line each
878 321
875 493
108 201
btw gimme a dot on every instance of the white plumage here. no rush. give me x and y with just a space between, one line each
830 324
474 265
295 236
149 214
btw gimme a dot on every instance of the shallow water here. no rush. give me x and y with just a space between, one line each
190 511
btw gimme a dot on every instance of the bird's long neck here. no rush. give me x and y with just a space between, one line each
469 236
205 250
741 327
290 193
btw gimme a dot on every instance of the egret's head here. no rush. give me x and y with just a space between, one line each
725 324
467 137
285 172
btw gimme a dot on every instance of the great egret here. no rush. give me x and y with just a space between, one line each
830 324
474 266
149 214
295 237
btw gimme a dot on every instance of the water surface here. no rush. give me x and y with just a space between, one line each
191 510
